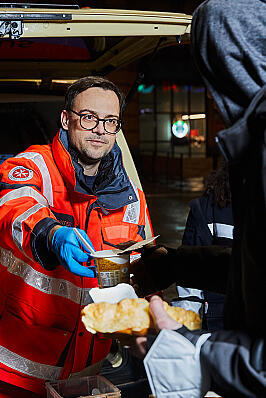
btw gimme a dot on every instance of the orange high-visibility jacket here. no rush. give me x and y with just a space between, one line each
41 334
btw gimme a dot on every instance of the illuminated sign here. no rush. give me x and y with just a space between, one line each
142 88
180 129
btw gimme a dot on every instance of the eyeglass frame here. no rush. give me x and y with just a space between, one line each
98 121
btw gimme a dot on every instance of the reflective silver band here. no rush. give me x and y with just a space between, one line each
31 368
23 192
222 230
42 282
38 159
17 230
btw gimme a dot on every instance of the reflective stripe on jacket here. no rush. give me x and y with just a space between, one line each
41 334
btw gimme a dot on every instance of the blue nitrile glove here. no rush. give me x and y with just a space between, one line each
67 247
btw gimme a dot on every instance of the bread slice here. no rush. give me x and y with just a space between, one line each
131 316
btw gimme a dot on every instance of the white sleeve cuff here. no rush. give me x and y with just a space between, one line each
174 368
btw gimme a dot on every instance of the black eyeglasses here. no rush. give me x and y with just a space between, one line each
88 121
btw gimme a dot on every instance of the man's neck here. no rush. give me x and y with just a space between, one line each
89 169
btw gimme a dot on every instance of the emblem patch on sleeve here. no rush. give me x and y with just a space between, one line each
20 173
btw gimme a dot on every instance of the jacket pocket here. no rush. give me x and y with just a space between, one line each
34 343
47 312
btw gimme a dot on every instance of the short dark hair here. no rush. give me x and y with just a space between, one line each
87 82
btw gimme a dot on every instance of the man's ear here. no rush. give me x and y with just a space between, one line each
64 119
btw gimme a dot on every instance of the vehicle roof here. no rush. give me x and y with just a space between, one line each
68 43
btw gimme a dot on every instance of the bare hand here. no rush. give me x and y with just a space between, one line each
161 319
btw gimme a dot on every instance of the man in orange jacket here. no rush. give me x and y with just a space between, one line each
76 181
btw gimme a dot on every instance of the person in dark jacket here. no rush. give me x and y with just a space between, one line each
210 219
209 222
228 40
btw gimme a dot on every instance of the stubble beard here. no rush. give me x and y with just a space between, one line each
86 154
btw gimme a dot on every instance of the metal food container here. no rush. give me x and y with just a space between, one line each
83 387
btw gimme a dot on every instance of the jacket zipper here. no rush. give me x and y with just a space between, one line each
89 210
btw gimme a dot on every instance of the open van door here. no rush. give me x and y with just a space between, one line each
45 46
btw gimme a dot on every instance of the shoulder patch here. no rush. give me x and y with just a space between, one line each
20 173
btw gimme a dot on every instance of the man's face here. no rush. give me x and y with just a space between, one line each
91 145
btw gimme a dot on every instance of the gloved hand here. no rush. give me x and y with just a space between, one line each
67 247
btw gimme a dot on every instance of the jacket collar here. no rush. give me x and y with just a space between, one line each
112 186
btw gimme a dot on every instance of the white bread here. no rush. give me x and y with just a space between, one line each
131 316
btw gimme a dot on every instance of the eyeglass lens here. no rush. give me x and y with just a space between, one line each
110 125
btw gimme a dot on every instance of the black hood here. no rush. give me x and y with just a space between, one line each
229 47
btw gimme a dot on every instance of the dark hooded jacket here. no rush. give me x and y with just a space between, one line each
229 46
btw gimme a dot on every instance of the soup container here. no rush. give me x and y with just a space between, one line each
113 270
